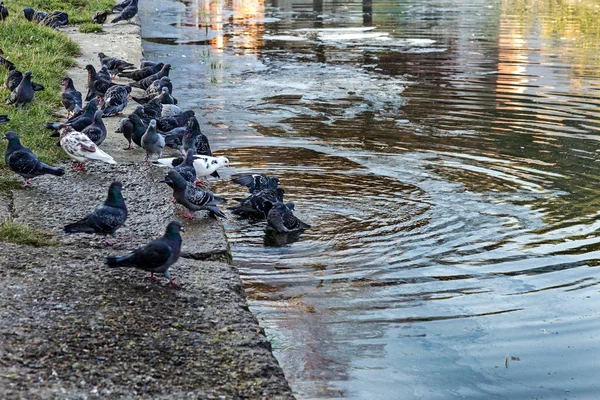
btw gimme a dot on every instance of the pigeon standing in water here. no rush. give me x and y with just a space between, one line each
80 147
281 218
97 130
156 257
192 197
128 12
71 98
152 142
23 94
116 99
3 12
106 219
21 160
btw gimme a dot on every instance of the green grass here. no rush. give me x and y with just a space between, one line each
19 233
90 27
48 53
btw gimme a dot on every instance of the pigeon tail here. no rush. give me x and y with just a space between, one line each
47 169
119 261
215 211
79 227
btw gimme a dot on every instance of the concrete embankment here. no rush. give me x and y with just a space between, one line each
72 328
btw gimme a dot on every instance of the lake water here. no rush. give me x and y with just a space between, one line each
446 154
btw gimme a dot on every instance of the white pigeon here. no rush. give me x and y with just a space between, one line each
79 147
170 110
204 165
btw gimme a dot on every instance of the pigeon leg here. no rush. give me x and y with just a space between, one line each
175 285
173 200
187 215
26 183
202 183
152 277
108 242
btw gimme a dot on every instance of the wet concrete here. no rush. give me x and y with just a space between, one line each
73 328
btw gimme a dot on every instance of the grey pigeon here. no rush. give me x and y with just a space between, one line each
192 197
99 17
186 167
104 74
119 7
97 130
165 96
13 79
139 74
174 138
3 12
81 121
4 118
152 142
106 219
22 160
146 82
166 124
256 182
155 257
116 99
23 94
126 128
96 85
70 98
254 205
195 139
128 12
281 218
114 65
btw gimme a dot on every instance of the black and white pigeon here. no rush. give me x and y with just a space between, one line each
156 257
146 82
119 7
99 17
192 197
254 205
3 12
281 218
4 118
116 99
96 85
81 121
21 160
114 65
15 77
23 94
193 138
152 142
139 74
106 219
103 73
97 130
128 12
71 98
256 182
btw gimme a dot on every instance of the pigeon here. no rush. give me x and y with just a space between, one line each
153 109
195 139
34 16
254 205
5 63
165 96
126 128
23 94
80 147
56 19
13 79
104 74
114 65
152 142
192 197
128 12
99 17
166 124
106 219
3 12
139 129
81 121
146 63
170 110
186 167
204 165
155 88
146 82
96 131
119 7
22 160
281 218
139 111
155 257
256 182
4 118
116 99
139 74
70 98
96 86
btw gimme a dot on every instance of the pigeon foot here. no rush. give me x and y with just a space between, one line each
187 215
152 277
175 285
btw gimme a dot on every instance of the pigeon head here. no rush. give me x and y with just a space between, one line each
223 161
65 129
101 55
104 68
176 178
165 90
90 68
67 82
115 197
166 67
28 75
193 124
290 206
12 138
28 13
98 115
189 157
173 230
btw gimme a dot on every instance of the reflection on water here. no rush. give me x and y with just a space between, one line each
446 155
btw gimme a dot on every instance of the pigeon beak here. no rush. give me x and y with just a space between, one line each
181 229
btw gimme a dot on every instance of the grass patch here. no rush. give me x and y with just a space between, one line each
19 233
90 27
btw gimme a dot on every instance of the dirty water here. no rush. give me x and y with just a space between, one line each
445 154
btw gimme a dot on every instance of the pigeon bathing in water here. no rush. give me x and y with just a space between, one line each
128 12
156 257
80 147
106 219
97 130
22 160
3 12
71 99
13 79
257 182
253 206
281 218
23 94
192 197
116 99
114 65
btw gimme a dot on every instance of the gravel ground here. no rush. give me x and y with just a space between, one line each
72 328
